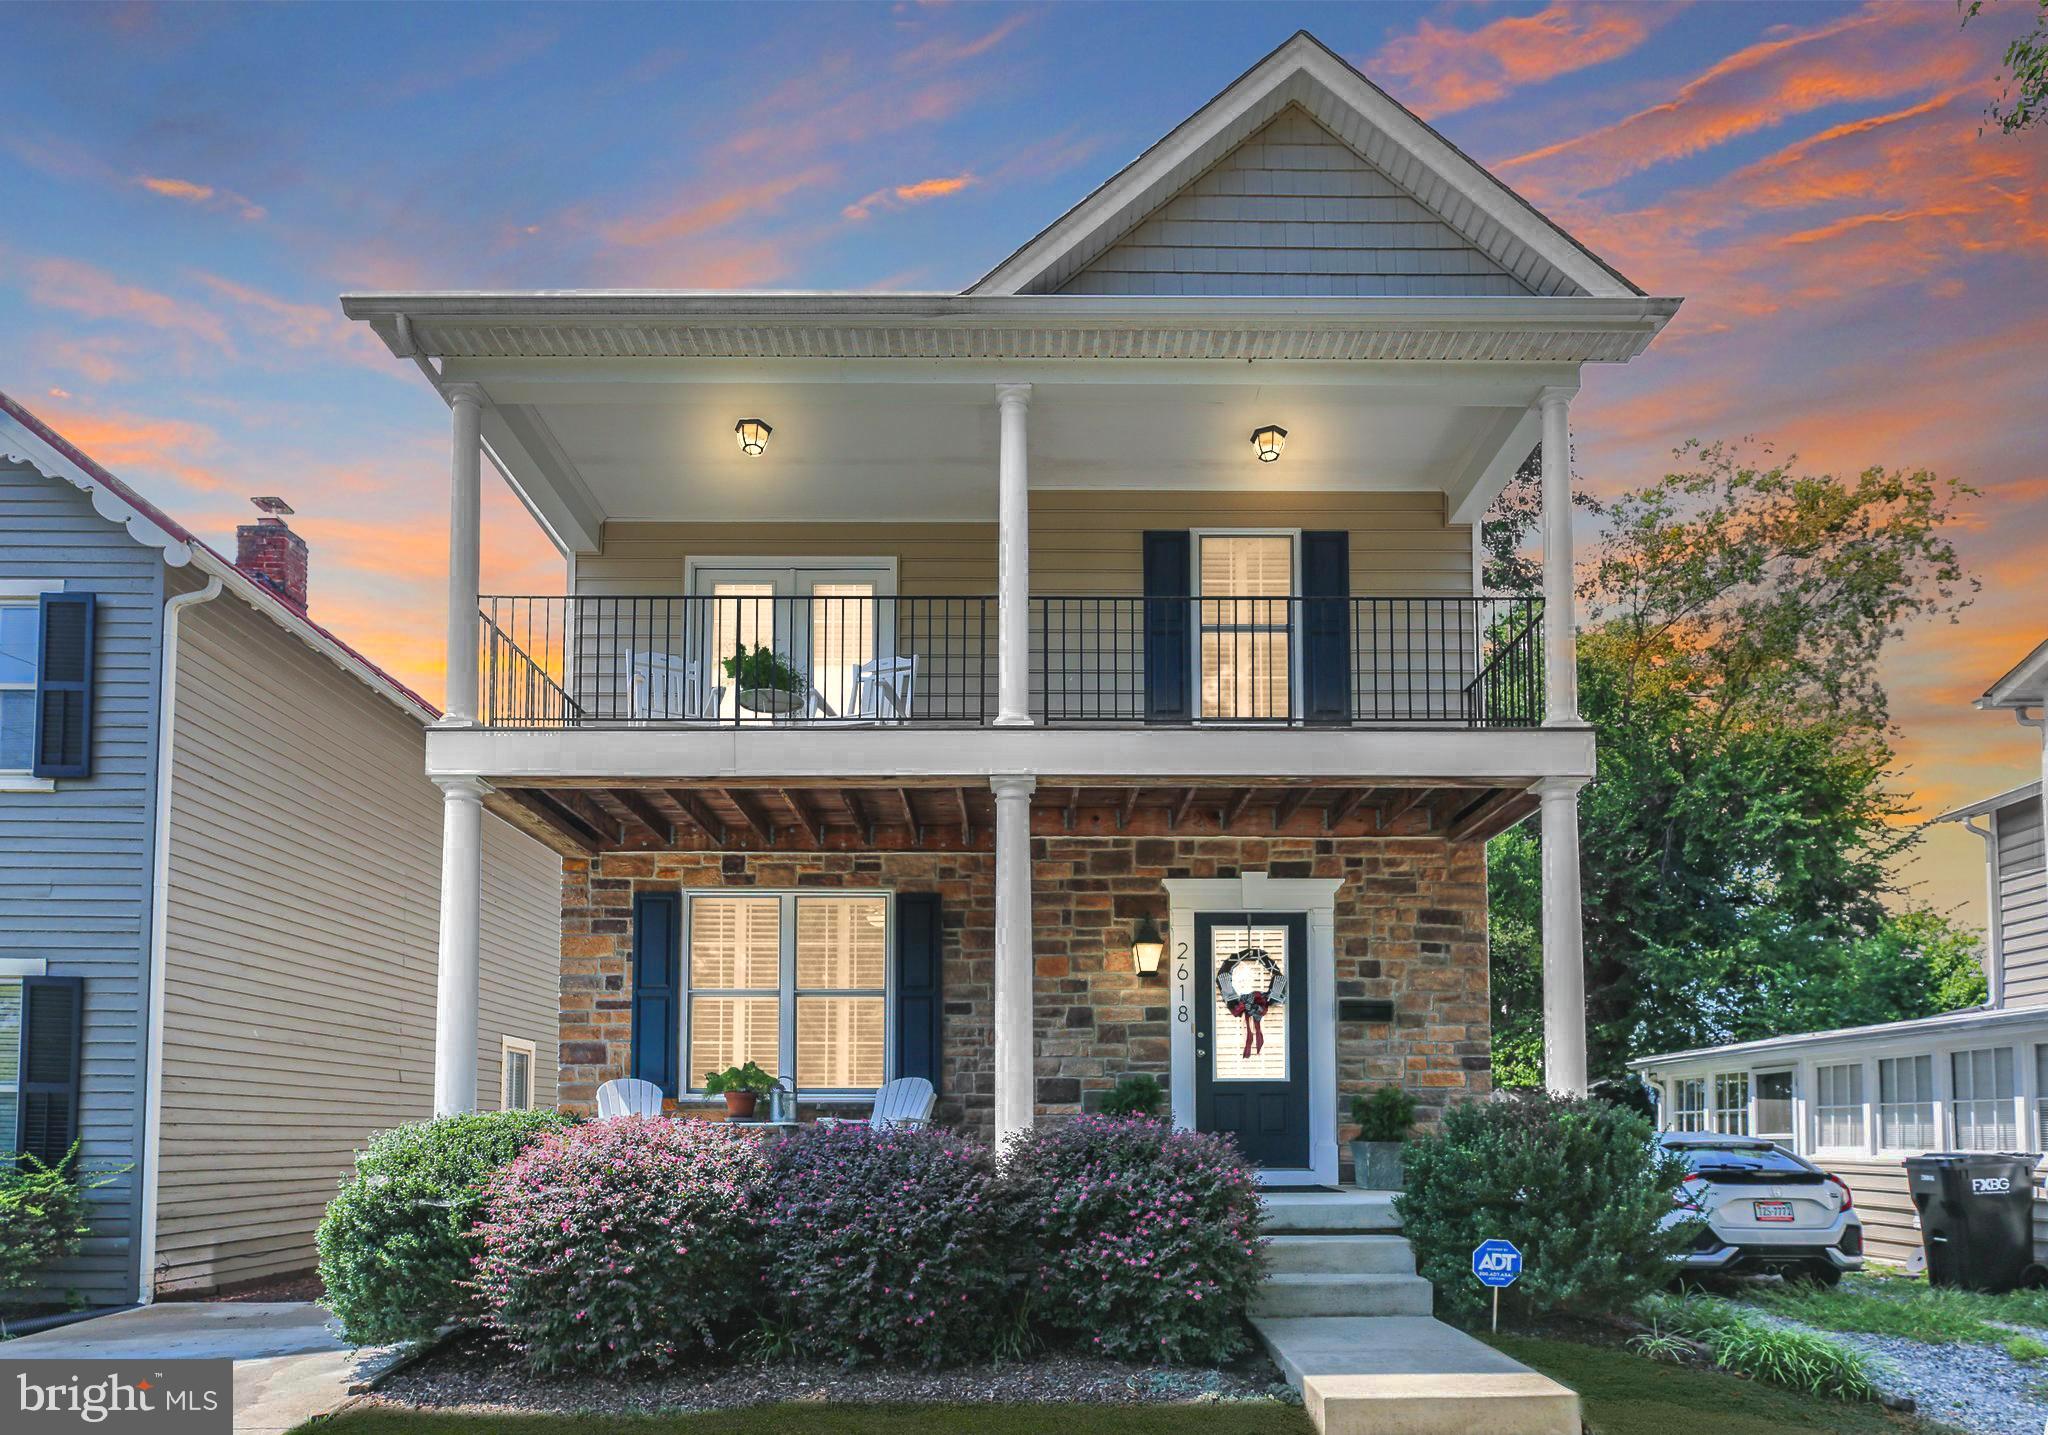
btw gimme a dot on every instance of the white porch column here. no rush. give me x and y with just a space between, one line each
455 1003
1013 560
1564 946
1015 1085
1560 628
465 537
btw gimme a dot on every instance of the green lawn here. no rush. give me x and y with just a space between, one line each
1627 1394
1253 1418
1887 1304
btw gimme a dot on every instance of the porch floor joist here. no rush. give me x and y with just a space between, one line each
823 816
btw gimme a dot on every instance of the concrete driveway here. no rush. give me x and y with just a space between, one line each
290 1364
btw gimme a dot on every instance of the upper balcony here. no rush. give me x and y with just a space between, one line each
854 658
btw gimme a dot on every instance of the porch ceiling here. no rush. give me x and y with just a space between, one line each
583 819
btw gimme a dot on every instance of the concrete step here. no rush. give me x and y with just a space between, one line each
1346 1212
1334 1295
1374 1255
1410 1375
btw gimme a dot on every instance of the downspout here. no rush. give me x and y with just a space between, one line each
159 928
1994 919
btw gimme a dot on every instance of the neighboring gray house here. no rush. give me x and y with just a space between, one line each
1860 1100
219 885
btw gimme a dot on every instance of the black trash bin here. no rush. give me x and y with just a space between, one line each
1976 1217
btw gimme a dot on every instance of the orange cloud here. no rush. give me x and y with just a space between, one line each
299 326
1440 68
79 288
204 194
907 194
944 50
142 443
697 216
1876 53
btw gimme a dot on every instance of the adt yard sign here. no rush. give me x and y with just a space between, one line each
1497 1264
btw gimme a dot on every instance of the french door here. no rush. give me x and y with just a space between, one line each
1244 629
823 621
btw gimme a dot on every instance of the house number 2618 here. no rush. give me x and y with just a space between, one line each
1180 977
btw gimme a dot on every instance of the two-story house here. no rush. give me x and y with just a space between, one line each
1083 674
220 865
1861 1100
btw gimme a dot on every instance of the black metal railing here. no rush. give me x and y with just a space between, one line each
740 660
1288 660
737 660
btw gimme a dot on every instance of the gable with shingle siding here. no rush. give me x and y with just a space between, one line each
1294 211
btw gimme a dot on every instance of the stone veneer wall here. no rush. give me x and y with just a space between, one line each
1411 927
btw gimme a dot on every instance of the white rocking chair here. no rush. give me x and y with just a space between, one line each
666 688
883 691
628 1096
906 1101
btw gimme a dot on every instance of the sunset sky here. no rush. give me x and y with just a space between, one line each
1865 265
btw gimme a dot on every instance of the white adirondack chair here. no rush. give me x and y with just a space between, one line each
884 691
906 1101
628 1096
668 688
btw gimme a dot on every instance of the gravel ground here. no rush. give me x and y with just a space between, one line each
1978 1388
473 1376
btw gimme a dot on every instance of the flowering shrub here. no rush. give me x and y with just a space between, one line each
396 1243
1145 1241
885 1245
624 1245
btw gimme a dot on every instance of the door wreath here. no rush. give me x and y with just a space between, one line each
1243 1000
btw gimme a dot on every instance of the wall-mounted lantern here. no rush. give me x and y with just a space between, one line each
753 436
1147 947
1269 441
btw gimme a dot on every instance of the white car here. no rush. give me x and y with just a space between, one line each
1765 1208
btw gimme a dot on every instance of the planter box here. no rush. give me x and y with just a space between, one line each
1377 1165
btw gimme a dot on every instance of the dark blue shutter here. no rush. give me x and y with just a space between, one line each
48 1100
1326 626
64 686
1168 587
919 986
657 1019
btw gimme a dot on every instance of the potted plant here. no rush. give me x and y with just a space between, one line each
741 1086
1384 1117
767 682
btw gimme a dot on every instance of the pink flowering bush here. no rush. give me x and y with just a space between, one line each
1146 1242
624 1245
885 1245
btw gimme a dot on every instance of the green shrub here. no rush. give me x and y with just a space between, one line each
1136 1095
397 1244
627 1245
1145 1242
762 667
42 1220
1578 1185
739 1078
885 1245
1783 1355
1388 1114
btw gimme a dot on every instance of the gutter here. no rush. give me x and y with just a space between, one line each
159 929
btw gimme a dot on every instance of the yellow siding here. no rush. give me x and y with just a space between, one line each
302 915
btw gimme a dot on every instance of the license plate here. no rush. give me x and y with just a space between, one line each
1774 1210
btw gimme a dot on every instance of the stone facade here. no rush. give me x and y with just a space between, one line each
1410 928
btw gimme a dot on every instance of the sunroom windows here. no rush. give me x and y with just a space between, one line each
1689 1104
796 982
1982 1108
1731 1103
1905 1103
1838 1107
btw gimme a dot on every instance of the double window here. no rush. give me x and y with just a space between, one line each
796 982
1983 1107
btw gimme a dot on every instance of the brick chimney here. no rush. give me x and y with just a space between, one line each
268 551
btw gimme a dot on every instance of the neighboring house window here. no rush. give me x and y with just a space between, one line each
1774 1105
1246 585
1838 1108
2041 1099
1983 1105
795 982
1689 1104
1731 1103
517 1069
20 623
10 1063
1905 1102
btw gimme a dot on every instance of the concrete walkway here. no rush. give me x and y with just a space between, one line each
290 1364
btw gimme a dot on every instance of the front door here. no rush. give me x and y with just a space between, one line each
1251 1064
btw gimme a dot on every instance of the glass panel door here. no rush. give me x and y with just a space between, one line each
1245 621
821 623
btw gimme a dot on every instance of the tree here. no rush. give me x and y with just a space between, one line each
1737 844
2023 88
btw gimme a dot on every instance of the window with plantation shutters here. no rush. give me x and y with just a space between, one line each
48 1084
10 1063
63 735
